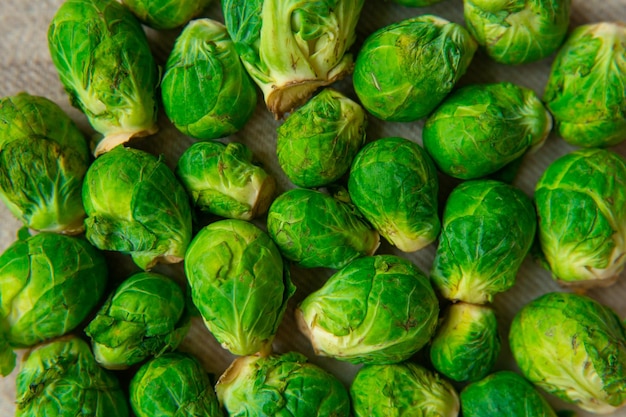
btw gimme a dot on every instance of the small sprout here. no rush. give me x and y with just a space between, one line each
144 317
488 229
573 347
403 389
105 64
394 183
135 205
239 284
404 70
206 91
315 229
166 14
317 143
281 385
376 310
221 179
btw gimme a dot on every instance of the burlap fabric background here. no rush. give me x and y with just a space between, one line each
25 65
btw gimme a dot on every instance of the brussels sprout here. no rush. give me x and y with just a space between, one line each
404 70
581 206
520 31
585 91
43 159
221 179
281 385
404 389
49 283
166 14
135 205
466 344
504 393
317 143
416 3
572 347
488 229
378 309
394 183
63 379
145 316
291 48
479 129
315 229
207 93
173 385
104 61
239 284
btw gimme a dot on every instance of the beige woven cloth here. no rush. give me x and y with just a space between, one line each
26 66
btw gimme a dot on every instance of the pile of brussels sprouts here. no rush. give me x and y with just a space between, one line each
349 213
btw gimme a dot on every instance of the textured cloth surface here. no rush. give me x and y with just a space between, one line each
26 66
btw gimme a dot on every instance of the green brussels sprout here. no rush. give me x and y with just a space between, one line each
105 64
166 14
416 3
377 310
239 284
144 317
49 283
317 143
404 70
63 379
135 205
221 179
479 129
581 206
281 385
574 348
488 229
206 91
291 48
504 393
466 344
314 229
394 183
585 90
172 385
43 159
403 389
519 31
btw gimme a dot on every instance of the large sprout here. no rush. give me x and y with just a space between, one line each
315 229
572 347
481 128
520 31
466 344
239 284
144 317
62 379
135 205
173 385
49 283
504 393
222 179
166 14
403 389
290 47
585 91
378 309
488 229
43 159
317 143
105 64
581 205
206 91
281 385
394 183
404 70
